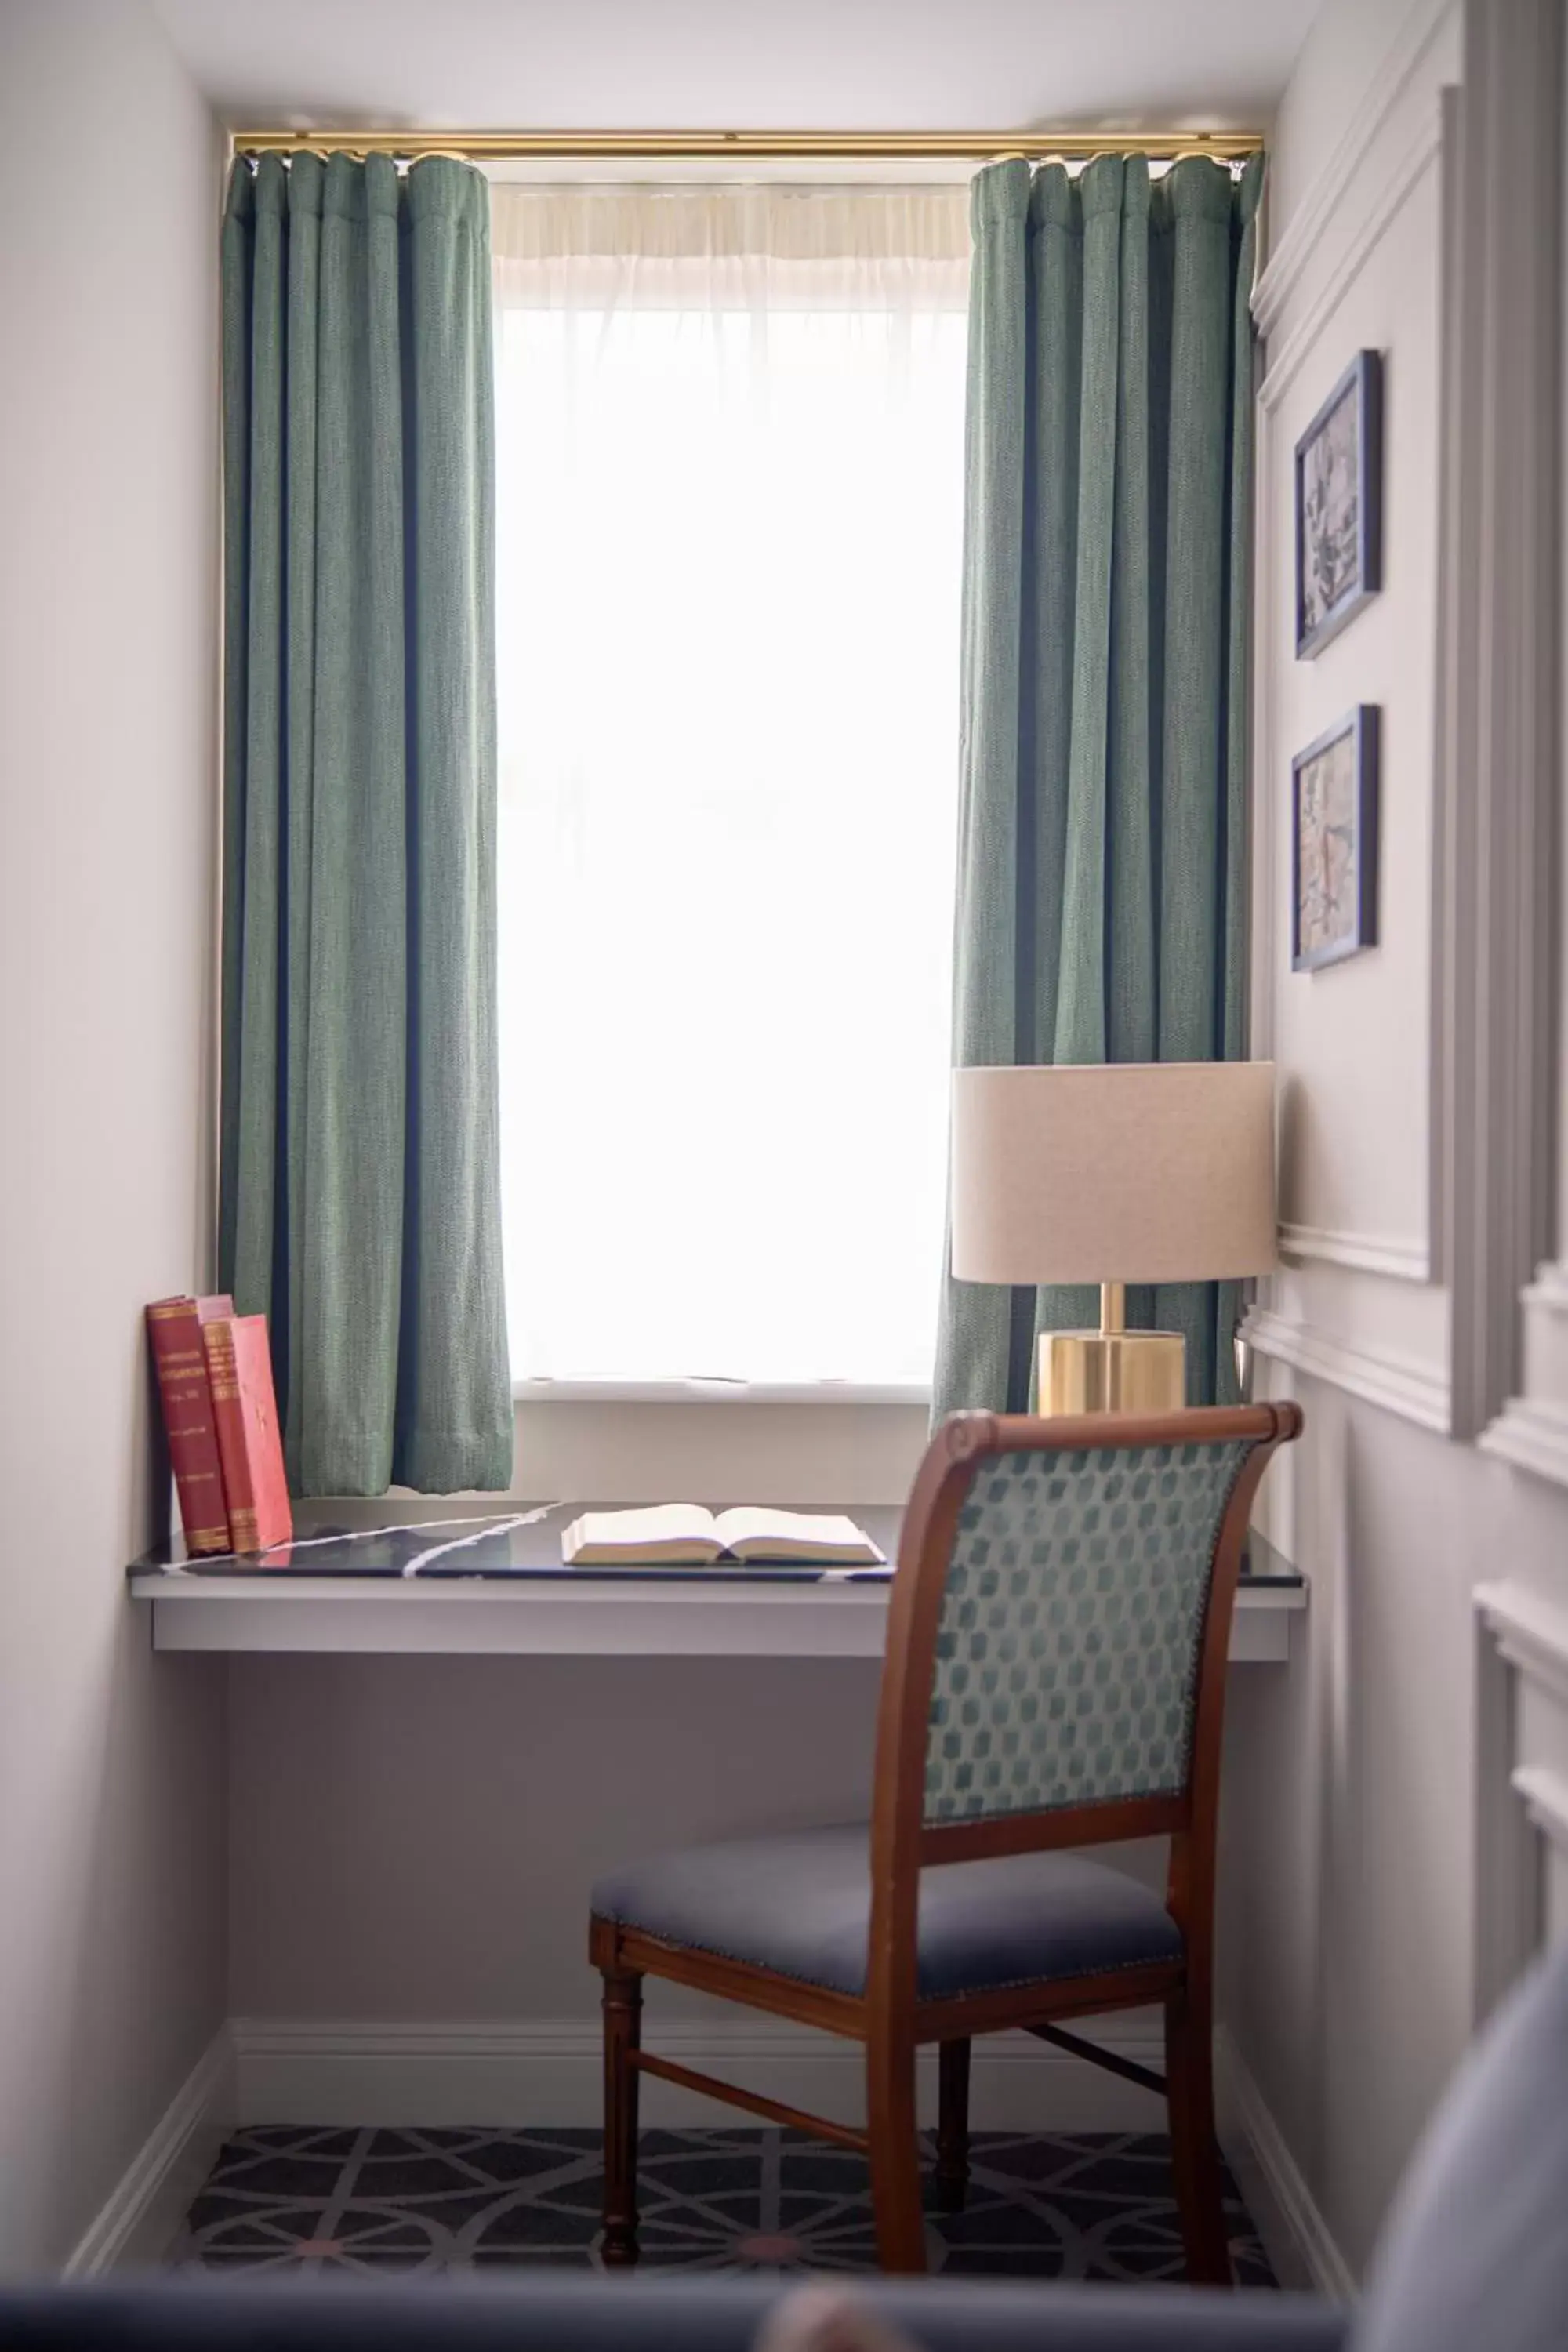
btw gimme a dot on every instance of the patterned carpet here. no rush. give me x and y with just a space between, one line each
374 2203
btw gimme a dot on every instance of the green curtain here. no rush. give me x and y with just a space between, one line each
359 1202
1102 857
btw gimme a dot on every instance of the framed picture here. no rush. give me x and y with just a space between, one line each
1339 506
1333 843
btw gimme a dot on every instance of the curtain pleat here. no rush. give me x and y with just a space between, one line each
995 824
1101 882
359 1180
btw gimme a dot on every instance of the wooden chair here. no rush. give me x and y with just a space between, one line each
1055 1678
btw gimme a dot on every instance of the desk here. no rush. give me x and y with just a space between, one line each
493 1585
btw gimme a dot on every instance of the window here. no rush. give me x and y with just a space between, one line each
730 434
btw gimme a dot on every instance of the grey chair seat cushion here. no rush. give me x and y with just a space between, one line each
801 1904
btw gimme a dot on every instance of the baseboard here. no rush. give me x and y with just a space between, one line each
546 2071
141 2217
1297 2239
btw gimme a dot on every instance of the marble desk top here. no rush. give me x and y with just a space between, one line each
522 1540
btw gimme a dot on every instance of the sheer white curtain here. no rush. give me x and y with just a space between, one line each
730 429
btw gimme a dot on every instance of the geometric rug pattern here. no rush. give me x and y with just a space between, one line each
378 2203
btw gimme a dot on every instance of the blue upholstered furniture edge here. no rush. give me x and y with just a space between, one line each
566 2314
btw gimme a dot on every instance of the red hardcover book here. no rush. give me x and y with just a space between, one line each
179 1357
246 1408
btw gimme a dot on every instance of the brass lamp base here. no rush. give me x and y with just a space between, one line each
1111 1370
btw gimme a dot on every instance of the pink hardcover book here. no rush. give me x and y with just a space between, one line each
245 1407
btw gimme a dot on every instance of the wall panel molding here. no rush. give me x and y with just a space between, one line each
1493 1078
1521 1793
1297 246
1548 1294
1399 1261
1399 1384
1505 1907
1545 1799
1264 912
1532 1430
1406 178
1533 1435
1529 1632
1302 326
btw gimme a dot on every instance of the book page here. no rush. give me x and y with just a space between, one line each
751 1533
665 1531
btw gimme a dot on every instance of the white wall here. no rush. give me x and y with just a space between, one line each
111 1762
1365 1803
414 1838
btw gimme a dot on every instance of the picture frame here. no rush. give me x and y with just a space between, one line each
1339 507
1333 841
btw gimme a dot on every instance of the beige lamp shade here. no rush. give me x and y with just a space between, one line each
1135 1171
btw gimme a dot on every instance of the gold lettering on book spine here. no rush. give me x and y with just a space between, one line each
222 1366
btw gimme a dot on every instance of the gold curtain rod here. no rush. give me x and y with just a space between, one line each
977 146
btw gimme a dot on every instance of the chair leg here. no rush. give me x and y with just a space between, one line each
622 2006
895 2156
952 2126
1195 2150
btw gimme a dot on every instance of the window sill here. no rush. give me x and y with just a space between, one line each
720 1391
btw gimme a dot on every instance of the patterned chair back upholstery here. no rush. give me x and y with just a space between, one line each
1070 1633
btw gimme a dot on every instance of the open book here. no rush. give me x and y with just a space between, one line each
684 1534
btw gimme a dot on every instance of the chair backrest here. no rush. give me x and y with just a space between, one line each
1060 1619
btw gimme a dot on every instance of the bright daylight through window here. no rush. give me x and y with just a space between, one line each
730 434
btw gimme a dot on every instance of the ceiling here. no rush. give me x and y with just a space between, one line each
741 64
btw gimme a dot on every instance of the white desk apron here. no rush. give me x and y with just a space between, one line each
586 1618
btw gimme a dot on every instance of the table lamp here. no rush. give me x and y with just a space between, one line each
1129 1171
